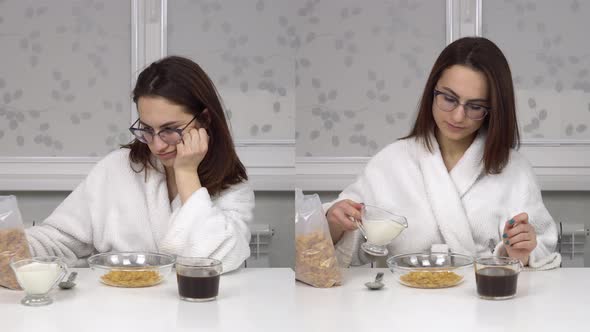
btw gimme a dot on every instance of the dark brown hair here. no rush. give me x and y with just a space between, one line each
183 82
482 55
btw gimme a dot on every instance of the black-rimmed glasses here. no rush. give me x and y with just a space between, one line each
171 136
447 103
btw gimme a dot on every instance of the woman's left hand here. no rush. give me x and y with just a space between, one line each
519 237
191 151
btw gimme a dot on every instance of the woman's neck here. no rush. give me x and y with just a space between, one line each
452 151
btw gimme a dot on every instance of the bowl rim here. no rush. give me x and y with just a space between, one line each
391 260
94 257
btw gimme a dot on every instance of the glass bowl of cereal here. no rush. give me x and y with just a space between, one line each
430 270
131 269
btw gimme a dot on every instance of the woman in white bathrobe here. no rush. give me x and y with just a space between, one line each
457 177
178 188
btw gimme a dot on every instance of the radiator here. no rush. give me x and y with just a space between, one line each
259 246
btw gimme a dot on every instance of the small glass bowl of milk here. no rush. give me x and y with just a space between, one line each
37 276
379 227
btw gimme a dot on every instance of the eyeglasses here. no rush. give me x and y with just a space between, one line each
170 136
447 103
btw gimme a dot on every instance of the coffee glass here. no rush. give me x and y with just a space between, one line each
496 277
379 227
37 276
198 278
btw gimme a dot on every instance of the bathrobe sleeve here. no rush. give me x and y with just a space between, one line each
527 198
374 180
217 228
67 232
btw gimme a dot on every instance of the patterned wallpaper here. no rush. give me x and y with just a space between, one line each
361 67
343 77
65 77
546 43
247 47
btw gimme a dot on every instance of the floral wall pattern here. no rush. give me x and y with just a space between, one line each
361 67
248 50
343 78
65 77
546 43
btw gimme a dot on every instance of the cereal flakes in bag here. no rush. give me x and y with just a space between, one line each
315 259
13 240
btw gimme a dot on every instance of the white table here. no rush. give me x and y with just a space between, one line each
269 300
249 300
557 300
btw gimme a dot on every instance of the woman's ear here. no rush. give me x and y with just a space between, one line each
205 118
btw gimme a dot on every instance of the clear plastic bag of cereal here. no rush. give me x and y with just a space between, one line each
13 241
315 259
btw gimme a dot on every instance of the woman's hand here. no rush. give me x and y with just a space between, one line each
191 151
519 237
341 217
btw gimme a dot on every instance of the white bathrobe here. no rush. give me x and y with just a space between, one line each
116 209
464 208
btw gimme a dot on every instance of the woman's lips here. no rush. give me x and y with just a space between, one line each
454 127
167 155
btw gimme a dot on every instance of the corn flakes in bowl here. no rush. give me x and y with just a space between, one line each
430 270
131 269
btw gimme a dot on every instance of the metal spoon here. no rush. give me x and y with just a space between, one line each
70 282
377 284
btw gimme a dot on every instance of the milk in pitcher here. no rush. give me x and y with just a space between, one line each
36 277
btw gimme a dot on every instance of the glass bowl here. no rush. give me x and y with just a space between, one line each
430 270
131 269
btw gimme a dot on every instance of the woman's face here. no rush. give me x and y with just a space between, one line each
467 86
157 114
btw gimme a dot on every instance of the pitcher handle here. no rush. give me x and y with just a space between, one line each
360 226
64 272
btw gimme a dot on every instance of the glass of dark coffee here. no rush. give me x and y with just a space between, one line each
496 277
198 278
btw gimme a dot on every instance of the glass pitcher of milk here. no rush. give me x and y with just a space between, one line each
37 276
379 227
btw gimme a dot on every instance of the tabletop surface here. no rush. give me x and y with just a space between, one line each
268 299
545 301
249 300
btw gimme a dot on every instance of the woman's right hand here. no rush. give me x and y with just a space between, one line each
341 217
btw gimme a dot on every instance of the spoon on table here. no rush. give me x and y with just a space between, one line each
377 284
70 282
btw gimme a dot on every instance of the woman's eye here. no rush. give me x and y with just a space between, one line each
450 99
476 107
